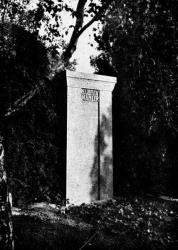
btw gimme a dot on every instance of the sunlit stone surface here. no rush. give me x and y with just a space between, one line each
89 137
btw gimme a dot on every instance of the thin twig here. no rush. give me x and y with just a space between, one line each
86 243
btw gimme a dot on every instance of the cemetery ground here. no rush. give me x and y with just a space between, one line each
121 223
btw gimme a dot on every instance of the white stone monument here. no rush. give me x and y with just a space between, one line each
89 137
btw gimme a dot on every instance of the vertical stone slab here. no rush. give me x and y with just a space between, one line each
89 137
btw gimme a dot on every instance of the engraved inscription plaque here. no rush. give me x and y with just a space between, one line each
90 95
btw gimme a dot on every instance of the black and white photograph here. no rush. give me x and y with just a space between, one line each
88 125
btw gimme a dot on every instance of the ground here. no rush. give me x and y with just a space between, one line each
121 223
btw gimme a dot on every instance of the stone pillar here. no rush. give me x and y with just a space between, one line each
89 137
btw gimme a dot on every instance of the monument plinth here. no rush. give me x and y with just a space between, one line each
89 175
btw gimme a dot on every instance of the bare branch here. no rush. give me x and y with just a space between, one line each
79 13
79 28
21 102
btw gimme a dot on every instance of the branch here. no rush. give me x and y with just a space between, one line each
79 28
79 13
95 18
21 102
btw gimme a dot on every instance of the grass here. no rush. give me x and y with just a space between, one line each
124 224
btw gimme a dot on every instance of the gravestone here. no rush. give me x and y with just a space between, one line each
89 175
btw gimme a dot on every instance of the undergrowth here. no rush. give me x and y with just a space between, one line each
137 222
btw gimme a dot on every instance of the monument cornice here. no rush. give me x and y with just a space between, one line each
92 81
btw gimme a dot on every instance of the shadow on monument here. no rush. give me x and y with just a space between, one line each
59 85
102 171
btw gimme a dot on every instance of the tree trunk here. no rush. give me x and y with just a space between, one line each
6 229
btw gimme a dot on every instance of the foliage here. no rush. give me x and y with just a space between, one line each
23 61
32 143
149 223
33 155
125 223
24 75
141 50
28 71
45 19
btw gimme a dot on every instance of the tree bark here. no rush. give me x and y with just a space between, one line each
6 229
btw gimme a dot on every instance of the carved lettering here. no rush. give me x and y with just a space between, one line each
90 95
